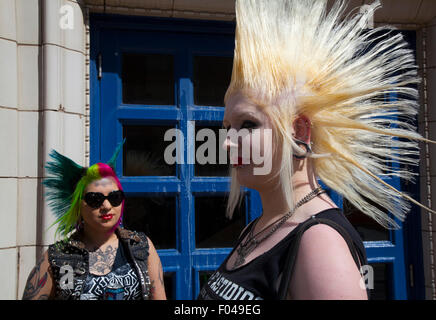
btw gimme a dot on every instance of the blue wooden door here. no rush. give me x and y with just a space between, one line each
149 76
158 75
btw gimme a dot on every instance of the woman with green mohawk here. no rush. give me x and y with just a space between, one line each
96 259
316 82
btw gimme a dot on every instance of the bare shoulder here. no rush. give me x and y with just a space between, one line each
325 268
39 284
150 244
153 258
152 250
155 272
322 236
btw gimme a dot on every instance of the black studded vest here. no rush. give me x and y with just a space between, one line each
66 257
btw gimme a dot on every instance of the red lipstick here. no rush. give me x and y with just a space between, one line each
106 217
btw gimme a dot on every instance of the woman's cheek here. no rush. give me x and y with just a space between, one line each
261 145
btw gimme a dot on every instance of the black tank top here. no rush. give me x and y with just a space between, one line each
262 277
122 273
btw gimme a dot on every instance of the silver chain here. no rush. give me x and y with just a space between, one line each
251 242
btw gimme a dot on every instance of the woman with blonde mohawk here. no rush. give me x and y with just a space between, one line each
319 84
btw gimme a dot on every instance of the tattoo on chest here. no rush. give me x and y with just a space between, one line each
101 262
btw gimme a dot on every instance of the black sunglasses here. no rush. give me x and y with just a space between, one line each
96 199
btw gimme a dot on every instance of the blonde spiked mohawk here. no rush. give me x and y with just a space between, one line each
292 58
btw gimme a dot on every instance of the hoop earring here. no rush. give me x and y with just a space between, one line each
80 225
306 145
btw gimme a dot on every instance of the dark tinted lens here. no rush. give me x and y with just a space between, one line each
94 199
115 198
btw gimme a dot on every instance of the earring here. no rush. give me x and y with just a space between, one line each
80 225
306 145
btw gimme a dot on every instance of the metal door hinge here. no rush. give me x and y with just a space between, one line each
99 68
412 281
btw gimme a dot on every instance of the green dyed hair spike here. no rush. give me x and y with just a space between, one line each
64 175
113 160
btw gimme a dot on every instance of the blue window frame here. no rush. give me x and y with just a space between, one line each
177 43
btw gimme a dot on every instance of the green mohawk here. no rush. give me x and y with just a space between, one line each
64 174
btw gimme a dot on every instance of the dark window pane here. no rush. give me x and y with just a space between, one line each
148 79
212 228
368 228
144 151
211 79
382 281
209 169
169 285
155 216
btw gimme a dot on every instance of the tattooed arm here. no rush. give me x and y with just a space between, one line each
155 272
39 284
